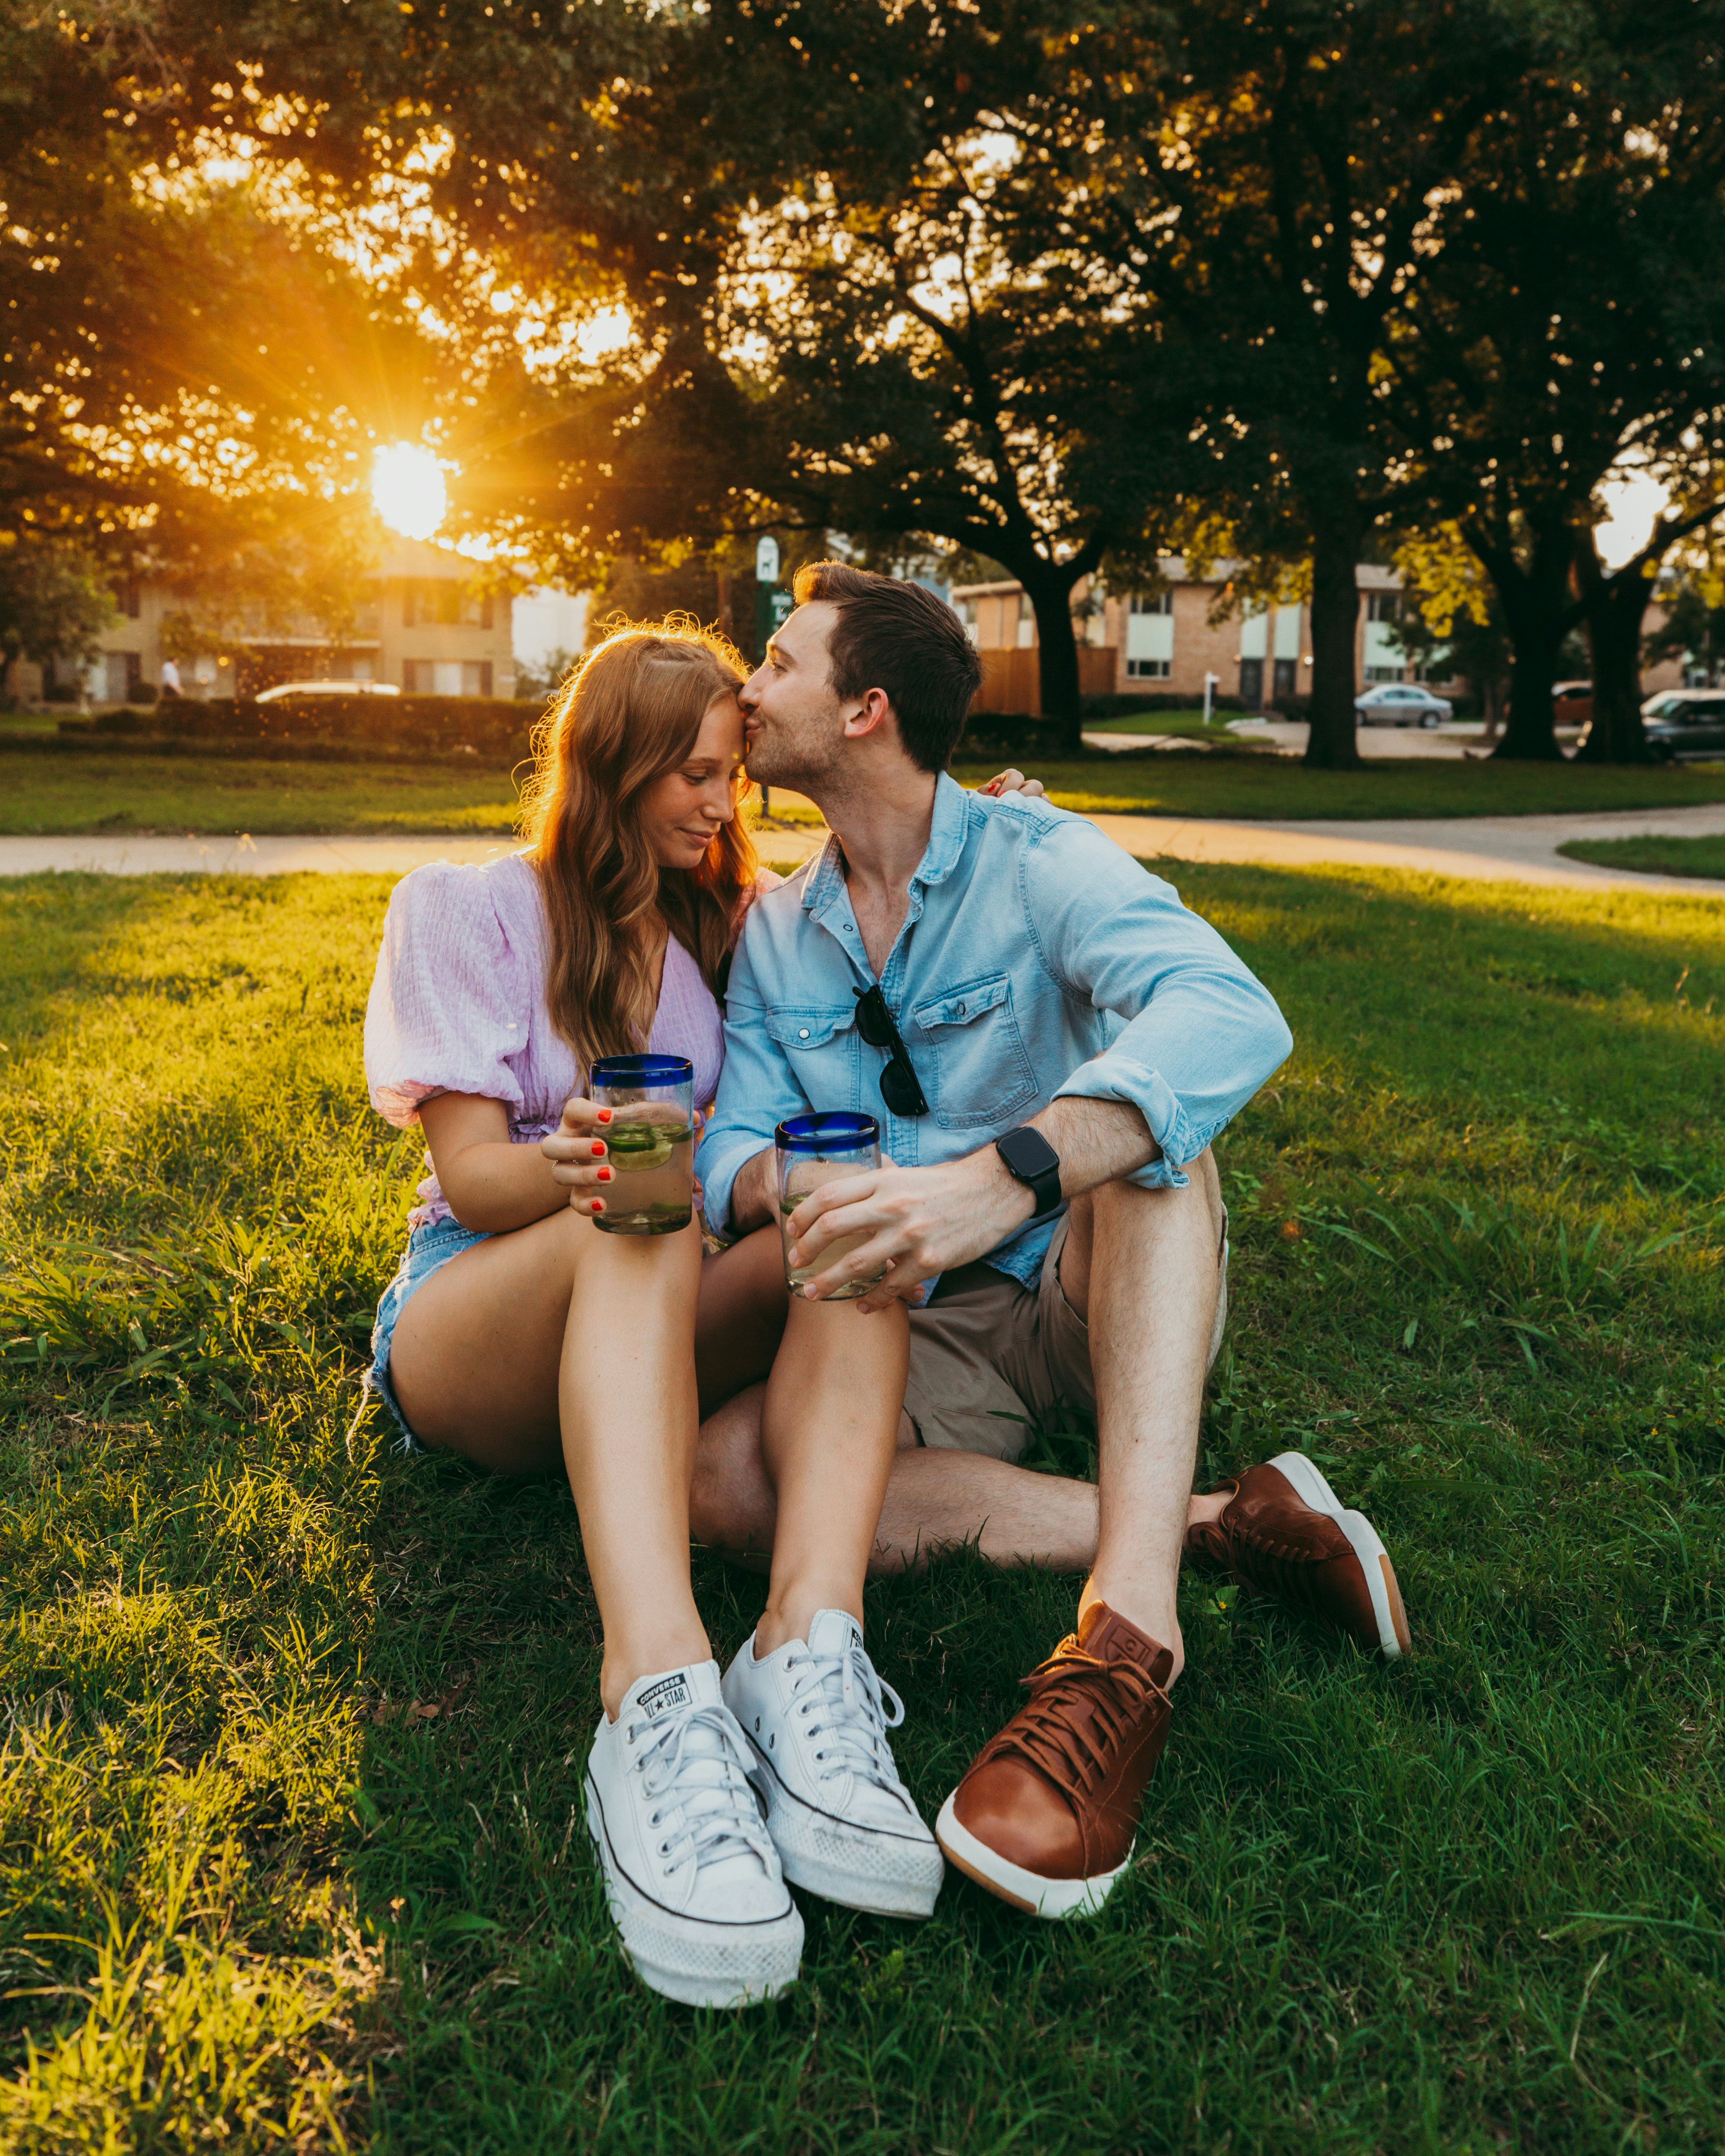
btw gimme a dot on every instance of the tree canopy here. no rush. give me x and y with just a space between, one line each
1066 289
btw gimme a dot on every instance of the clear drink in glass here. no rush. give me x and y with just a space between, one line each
651 1139
816 1149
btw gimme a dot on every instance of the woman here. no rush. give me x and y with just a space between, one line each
516 1336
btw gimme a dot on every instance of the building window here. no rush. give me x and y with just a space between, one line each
1384 673
1147 670
446 677
122 671
1026 622
1383 606
441 602
1153 603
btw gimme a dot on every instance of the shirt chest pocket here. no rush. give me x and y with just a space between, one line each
819 1044
970 1054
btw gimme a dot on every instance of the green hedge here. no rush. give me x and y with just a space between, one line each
490 726
1128 704
1012 734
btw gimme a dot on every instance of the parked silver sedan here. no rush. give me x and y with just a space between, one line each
1401 704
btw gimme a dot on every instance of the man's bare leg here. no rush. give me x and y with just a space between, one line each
1140 1266
937 1499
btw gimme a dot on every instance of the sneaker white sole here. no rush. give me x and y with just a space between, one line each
1054 1899
1387 1608
682 1958
883 1875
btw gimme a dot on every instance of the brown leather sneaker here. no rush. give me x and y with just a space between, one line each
1284 1534
1046 1816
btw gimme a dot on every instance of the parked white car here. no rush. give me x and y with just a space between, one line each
326 689
1401 704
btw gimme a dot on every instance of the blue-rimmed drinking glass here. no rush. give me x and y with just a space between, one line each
651 1139
816 1149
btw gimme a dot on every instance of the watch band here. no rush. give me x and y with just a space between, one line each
1031 1160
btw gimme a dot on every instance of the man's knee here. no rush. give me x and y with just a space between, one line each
731 1501
1202 1175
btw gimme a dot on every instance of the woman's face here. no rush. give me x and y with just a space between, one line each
683 809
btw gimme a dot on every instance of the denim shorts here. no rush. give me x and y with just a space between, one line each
427 1248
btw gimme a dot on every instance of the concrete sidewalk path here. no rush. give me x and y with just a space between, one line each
1482 848
1506 849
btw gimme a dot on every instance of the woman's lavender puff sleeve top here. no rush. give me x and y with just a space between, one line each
458 1006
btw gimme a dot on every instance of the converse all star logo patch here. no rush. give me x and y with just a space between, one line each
660 1698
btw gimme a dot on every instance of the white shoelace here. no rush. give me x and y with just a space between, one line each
700 1792
853 1733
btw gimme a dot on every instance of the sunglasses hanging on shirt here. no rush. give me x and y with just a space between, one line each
899 1086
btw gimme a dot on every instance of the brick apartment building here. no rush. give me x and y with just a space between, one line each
421 626
1166 641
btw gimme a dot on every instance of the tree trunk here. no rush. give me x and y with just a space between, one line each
1050 595
1613 608
1538 609
1333 742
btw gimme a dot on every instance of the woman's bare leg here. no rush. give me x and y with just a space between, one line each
560 1338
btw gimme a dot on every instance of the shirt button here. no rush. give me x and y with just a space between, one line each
803 1033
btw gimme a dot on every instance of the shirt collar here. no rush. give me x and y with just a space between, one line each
947 830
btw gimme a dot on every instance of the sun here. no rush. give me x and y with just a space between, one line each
408 487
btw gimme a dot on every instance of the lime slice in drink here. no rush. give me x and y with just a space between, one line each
633 1151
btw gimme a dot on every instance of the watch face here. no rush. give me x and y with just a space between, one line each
1028 1153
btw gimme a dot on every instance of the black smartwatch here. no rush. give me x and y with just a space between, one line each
1031 1158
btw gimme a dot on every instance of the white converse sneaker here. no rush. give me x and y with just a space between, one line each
842 1821
692 1876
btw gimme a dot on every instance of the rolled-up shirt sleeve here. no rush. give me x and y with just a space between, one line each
1201 1033
757 1091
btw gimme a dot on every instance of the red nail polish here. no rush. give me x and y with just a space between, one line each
598 1205
598 1152
604 1115
604 1175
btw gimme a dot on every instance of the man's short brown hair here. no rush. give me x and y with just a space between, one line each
899 638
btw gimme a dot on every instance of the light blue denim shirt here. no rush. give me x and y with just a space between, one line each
1036 960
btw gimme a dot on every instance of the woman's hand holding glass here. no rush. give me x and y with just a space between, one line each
580 1159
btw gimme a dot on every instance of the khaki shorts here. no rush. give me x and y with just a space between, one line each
988 1357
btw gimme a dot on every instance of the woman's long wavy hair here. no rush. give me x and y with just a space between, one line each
628 714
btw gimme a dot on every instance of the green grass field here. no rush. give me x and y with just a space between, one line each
1278 789
289 1845
125 794
1654 856
1186 726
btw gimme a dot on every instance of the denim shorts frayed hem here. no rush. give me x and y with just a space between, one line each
428 1249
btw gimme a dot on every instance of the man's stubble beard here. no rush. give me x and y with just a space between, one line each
798 762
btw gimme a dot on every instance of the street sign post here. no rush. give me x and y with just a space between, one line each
766 559
773 607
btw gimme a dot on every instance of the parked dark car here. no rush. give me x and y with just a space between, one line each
1680 723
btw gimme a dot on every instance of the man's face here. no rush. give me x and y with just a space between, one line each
795 722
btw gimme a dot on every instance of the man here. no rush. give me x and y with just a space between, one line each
1052 1042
